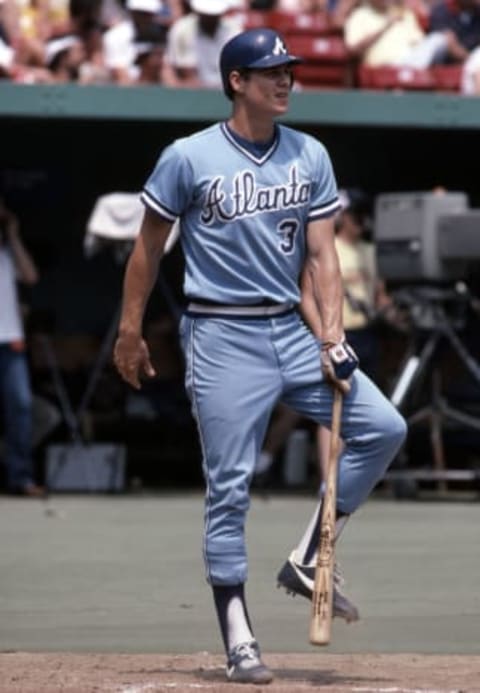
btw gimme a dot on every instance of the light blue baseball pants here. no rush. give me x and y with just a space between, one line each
236 370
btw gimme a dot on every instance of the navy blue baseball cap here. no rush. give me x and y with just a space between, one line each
254 49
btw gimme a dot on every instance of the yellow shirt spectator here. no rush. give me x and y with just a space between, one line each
359 272
394 43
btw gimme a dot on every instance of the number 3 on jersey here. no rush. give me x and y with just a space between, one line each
287 231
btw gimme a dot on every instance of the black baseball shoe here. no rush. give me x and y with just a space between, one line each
298 579
244 664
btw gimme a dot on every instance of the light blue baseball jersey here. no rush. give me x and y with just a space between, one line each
243 216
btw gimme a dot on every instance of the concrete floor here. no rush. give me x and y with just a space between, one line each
125 574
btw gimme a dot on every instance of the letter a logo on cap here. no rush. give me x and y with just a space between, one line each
279 47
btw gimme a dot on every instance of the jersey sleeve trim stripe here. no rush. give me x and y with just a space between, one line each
151 202
325 210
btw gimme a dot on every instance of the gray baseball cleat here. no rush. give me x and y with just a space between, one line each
245 665
298 579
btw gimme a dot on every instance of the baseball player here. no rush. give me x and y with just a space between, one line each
256 201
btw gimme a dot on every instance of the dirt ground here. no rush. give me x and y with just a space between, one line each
148 673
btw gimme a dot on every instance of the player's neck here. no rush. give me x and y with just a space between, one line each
252 129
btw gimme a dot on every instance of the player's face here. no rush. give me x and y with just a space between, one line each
269 90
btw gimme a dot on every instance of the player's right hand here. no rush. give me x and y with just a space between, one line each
338 363
132 359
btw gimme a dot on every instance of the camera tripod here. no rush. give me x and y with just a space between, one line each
432 327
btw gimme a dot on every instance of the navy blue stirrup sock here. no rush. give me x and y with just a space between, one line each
232 624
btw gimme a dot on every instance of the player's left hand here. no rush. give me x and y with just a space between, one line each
338 363
132 359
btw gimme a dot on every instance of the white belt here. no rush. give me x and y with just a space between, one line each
208 309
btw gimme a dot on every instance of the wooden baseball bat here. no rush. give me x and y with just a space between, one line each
322 599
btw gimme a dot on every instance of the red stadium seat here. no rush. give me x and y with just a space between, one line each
308 23
447 77
251 19
274 19
326 60
399 78
318 76
319 49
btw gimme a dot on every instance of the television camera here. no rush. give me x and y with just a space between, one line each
428 246
426 237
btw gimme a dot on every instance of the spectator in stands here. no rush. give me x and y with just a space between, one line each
7 59
143 23
387 33
19 33
58 17
33 20
296 6
194 43
292 6
261 5
89 19
16 264
64 57
8 21
149 61
85 12
16 64
462 18
339 11
470 82
176 9
93 69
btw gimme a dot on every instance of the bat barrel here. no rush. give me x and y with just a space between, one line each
322 600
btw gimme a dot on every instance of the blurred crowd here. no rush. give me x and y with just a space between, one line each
177 42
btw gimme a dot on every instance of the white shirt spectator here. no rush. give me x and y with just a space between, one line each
119 41
470 84
190 48
11 328
119 49
7 56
